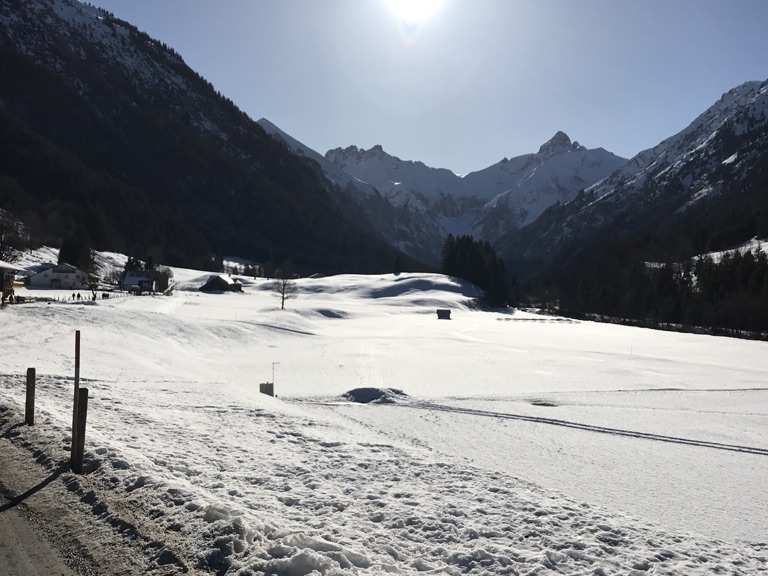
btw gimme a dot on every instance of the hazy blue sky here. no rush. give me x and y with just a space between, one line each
481 80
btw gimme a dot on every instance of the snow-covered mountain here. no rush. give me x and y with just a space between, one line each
521 188
693 155
336 175
400 181
415 206
697 191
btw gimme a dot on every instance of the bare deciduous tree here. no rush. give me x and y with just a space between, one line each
285 289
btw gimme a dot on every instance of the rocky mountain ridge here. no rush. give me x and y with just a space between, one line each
416 206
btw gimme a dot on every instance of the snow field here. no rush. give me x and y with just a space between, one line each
685 488
231 481
256 488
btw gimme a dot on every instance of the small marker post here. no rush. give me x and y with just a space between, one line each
77 387
29 408
78 439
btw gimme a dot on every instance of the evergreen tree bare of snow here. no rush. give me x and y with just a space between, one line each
476 261
8 242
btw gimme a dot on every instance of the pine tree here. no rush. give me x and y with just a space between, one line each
476 261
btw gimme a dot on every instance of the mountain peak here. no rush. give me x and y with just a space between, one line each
560 142
343 154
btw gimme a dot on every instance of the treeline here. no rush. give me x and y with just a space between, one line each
730 294
11 240
476 261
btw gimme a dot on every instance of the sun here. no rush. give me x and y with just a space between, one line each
414 11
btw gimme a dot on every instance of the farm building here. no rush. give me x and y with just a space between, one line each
7 275
221 283
60 277
139 281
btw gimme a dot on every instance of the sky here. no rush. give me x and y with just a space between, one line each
477 81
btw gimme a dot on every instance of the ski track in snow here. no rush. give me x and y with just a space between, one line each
597 429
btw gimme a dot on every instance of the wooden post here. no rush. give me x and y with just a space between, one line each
29 411
267 388
77 386
78 439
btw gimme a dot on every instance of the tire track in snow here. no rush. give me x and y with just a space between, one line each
609 391
587 427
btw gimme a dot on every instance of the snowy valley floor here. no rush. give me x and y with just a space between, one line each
193 470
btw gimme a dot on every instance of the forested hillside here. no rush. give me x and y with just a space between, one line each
108 136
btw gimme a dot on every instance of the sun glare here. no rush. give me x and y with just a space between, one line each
414 11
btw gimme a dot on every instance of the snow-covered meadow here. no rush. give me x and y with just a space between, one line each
528 444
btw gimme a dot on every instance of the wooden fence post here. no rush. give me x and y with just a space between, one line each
29 410
78 439
77 386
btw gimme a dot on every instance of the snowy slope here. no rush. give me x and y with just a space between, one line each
687 154
753 246
524 186
227 479
106 264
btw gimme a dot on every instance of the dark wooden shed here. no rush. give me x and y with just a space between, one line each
218 283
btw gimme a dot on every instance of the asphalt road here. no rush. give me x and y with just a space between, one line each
22 551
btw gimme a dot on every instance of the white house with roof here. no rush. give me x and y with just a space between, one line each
60 277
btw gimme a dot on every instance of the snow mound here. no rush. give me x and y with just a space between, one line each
325 313
410 290
375 395
543 403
